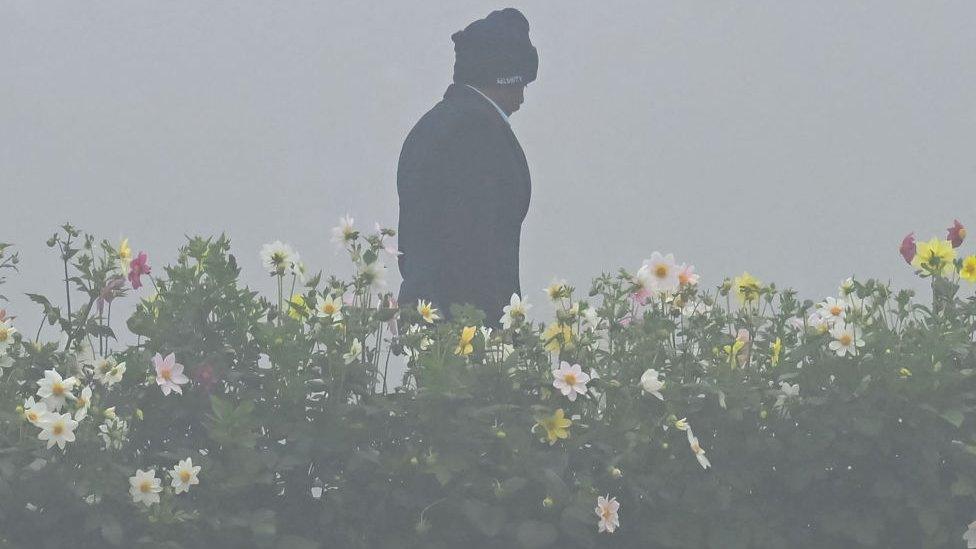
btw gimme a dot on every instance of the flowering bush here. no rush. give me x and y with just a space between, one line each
649 412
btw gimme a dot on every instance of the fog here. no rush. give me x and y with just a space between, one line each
799 141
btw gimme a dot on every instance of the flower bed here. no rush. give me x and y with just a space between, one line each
650 412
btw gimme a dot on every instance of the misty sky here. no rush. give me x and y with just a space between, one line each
798 140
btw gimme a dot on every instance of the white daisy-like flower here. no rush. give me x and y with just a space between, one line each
427 311
35 412
847 286
184 475
145 487
355 351
818 323
570 380
662 271
832 309
329 307
607 509
278 257
82 403
556 289
115 375
7 332
344 231
651 383
514 312
698 450
57 429
54 389
845 340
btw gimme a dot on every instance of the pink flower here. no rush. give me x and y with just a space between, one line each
138 267
205 375
687 275
957 233
907 248
109 292
169 374
570 380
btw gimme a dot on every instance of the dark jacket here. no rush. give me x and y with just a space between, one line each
464 190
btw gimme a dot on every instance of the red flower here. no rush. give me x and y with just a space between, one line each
139 267
957 233
908 248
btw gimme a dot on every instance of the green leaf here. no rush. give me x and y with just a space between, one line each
488 519
955 417
532 534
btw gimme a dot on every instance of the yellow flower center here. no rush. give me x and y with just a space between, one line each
4 334
661 271
836 310
185 476
145 487
166 374
606 513
845 340
57 429
31 416
968 268
82 402
105 367
570 379
57 389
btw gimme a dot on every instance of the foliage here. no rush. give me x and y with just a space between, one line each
739 417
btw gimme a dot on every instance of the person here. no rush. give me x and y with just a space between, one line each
463 180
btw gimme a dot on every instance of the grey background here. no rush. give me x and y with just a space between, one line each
798 140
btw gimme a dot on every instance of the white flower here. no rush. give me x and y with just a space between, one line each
54 389
101 367
82 402
661 271
115 375
845 340
557 289
970 536
35 412
570 380
847 286
422 345
184 475
374 275
298 269
169 373
427 311
278 257
57 429
698 450
514 312
606 509
832 309
6 335
787 392
145 487
818 322
651 383
6 361
355 351
344 231
591 318
329 307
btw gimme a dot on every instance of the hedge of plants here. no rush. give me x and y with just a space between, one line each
650 411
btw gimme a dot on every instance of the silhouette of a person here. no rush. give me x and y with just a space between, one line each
463 181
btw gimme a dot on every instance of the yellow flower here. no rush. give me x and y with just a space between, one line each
905 373
968 269
427 311
733 350
556 426
934 257
297 308
776 349
125 255
464 347
747 287
556 336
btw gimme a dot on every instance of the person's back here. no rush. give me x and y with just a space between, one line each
462 178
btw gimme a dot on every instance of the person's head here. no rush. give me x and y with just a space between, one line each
495 55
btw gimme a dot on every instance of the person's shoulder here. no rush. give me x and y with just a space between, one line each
456 115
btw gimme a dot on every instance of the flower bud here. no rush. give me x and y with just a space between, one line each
957 233
548 502
500 434
616 473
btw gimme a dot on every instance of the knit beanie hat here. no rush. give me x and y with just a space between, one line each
495 50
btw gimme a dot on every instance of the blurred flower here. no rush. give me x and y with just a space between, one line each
774 351
557 335
277 257
662 272
847 286
464 346
606 509
82 403
746 287
125 255
696 308
818 323
557 289
355 351
687 275
698 450
651 383
297 309
57 429
556 426
956 234
907 248
682 424
373 275
205 375
329 307
427 311
54 389
935 257
570 380
298 269
515 312
138 267
6 335
968 270
344 231
732 351
109 292
145 487
169 374
184 475
845 339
